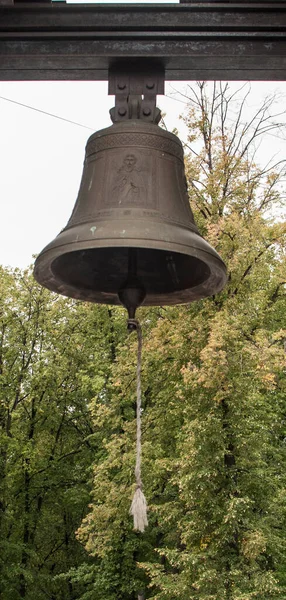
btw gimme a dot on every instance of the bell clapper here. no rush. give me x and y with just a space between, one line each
172 270
132 293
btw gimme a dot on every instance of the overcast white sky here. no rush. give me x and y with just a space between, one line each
41 157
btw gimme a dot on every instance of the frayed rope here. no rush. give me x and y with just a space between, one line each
138 510
138 507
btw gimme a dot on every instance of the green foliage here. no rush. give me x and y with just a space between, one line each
55 357
213 420
213 416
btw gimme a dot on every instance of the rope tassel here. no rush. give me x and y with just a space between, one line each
138 510
138 507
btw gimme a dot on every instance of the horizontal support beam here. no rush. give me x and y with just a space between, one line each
195 40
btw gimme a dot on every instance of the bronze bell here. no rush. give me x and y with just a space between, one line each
132 237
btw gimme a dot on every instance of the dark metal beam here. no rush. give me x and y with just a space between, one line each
192 40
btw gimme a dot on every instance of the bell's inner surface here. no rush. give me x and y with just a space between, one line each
106 269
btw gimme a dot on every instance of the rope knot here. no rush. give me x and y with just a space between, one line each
132 324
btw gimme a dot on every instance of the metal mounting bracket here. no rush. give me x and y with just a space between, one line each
135 87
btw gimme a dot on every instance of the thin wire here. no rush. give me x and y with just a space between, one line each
45 113
92 129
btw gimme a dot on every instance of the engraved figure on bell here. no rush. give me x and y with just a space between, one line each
130 187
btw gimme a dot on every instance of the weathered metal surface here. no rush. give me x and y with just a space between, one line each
135 88
192 40
133 195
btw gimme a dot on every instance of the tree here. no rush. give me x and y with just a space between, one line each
55 354
213 419
214 382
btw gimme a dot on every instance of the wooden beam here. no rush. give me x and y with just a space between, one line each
192 40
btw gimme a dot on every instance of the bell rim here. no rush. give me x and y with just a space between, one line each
216 281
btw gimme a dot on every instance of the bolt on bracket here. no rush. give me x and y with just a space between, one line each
135 87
